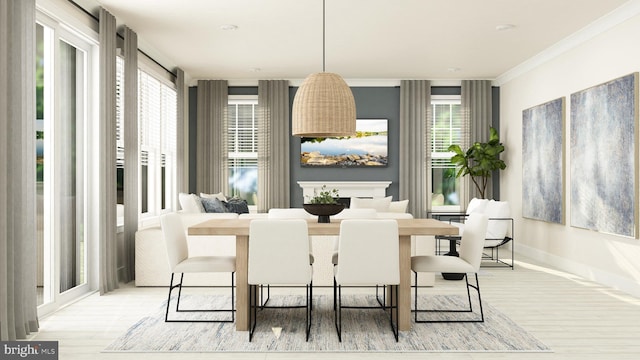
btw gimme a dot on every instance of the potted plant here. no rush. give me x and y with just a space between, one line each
324 204
479 161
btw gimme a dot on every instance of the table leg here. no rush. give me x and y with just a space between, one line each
404 290
242 287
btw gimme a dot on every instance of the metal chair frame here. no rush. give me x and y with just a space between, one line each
469 310
179 286
393 306
493 256
254 307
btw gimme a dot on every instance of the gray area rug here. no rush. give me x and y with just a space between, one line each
363 330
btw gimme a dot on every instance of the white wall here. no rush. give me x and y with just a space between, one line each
607 259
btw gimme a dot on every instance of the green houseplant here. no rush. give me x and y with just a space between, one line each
324 204
325 196
479 161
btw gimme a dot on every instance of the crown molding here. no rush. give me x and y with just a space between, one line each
612 19
350 82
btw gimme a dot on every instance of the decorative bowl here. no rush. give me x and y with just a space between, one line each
323 211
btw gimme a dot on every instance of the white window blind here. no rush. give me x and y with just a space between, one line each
149 117
168 119
447 128
243 130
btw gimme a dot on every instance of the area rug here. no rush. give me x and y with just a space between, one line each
282 330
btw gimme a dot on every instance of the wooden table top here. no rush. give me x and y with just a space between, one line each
241 227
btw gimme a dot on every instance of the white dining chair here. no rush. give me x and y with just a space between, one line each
282 214
278 254
362 213
175 239
292 213
369 256
470 257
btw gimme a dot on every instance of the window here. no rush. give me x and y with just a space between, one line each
119 130
447 128
168 148
157 113
243 148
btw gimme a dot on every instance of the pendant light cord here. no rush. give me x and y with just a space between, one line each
323 35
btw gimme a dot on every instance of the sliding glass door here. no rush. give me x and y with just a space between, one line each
63 103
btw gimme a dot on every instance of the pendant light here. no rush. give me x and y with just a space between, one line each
323 105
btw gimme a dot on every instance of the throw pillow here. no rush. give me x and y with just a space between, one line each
379 204
236 205
477 205
399 206
218 196
497 229
190 203
213 205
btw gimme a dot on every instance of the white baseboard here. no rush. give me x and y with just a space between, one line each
606 278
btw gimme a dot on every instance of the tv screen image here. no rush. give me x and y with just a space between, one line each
368 148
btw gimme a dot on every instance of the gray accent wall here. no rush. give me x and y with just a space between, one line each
371 103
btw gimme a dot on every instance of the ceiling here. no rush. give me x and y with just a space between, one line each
365 39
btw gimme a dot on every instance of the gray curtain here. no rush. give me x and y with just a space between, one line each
182 169
131 151
415 105
212 154
273 145
476 110
107 166
18 301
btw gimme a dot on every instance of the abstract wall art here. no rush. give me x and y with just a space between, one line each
604 157
543 162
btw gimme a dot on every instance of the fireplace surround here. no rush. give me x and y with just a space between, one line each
346 189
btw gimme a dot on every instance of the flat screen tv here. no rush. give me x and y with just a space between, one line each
368 148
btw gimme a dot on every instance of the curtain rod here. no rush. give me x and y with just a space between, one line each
121 37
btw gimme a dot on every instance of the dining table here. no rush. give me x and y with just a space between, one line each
240 229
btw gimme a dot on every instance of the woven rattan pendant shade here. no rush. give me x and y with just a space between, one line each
323 107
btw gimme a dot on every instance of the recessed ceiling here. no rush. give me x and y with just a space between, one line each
365 39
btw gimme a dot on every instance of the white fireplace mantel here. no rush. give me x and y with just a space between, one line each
365 189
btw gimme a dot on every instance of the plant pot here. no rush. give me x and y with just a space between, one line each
323 211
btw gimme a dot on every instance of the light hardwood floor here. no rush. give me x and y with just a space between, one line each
577 319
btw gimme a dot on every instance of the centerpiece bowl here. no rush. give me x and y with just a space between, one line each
323 211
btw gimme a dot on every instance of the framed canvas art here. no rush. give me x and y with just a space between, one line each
543 162
604 157
368 148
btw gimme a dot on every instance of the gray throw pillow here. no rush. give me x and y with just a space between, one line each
213 205
236 205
